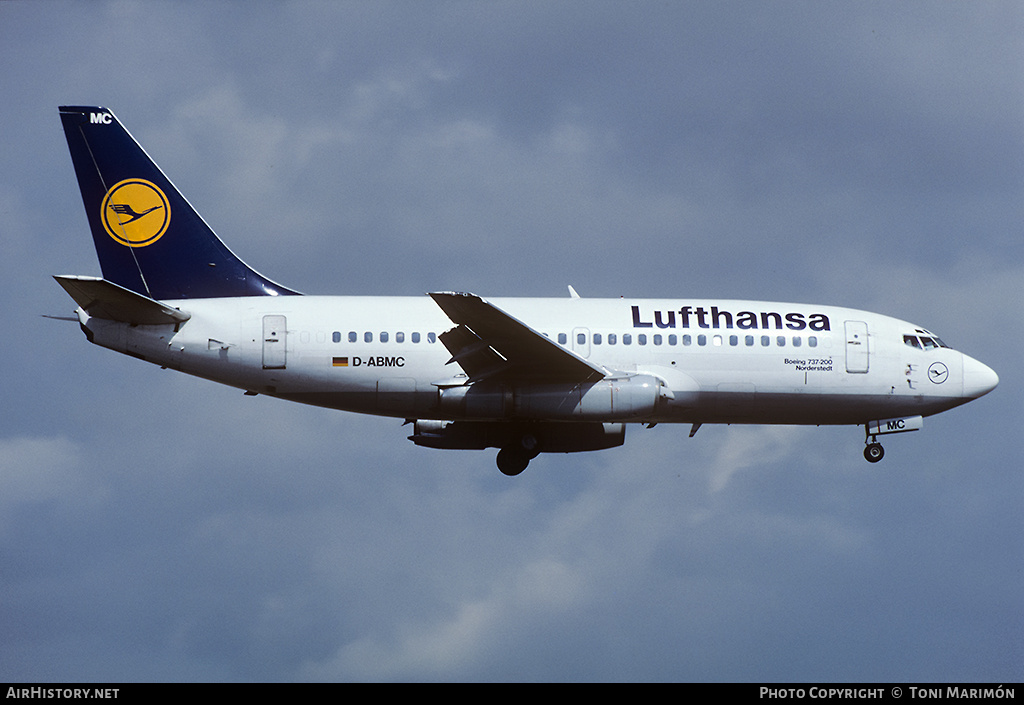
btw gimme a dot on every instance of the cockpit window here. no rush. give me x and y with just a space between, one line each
923 342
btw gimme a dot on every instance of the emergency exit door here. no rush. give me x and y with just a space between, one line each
275 342
581 342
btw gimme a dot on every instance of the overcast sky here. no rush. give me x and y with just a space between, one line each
159 527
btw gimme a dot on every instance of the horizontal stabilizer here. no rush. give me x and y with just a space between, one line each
102 299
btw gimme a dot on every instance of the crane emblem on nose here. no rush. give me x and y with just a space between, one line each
938 372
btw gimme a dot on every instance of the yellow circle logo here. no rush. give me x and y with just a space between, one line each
135 212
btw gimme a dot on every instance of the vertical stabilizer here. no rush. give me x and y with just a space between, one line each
148 238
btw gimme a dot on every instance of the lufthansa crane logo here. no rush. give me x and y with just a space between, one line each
135 212
938 373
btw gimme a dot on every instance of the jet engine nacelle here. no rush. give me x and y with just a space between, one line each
552 437
616 399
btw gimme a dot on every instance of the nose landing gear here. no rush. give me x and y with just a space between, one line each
873 452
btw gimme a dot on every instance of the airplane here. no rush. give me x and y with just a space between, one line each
523 375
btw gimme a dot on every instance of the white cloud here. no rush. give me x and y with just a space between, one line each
745 446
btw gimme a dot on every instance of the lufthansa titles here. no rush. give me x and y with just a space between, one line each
715 317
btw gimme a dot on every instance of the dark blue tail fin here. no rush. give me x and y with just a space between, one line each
148 238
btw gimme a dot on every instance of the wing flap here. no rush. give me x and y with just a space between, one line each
487 342
103 299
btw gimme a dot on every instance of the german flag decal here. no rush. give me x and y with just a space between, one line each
340 362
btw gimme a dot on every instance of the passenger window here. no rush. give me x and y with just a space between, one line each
336 337
431 338
352 336
687 339
561 339
383 337
641 339
812 341
749 340
911 340
597 338
611 339
781 341
702 339
581 338
672 339
657 339
627 339
399 337
765 341
717 341
797 341
734 340
415 337
367 337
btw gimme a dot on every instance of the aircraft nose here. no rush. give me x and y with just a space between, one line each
979 378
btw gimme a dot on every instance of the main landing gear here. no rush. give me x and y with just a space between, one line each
513 459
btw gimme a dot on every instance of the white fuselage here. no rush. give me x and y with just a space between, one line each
527 376
721 361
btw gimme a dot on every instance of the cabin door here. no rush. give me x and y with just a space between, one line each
856 347
275 341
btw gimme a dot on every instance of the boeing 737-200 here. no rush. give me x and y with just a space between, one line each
523 375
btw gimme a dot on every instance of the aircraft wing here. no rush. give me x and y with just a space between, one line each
489 343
